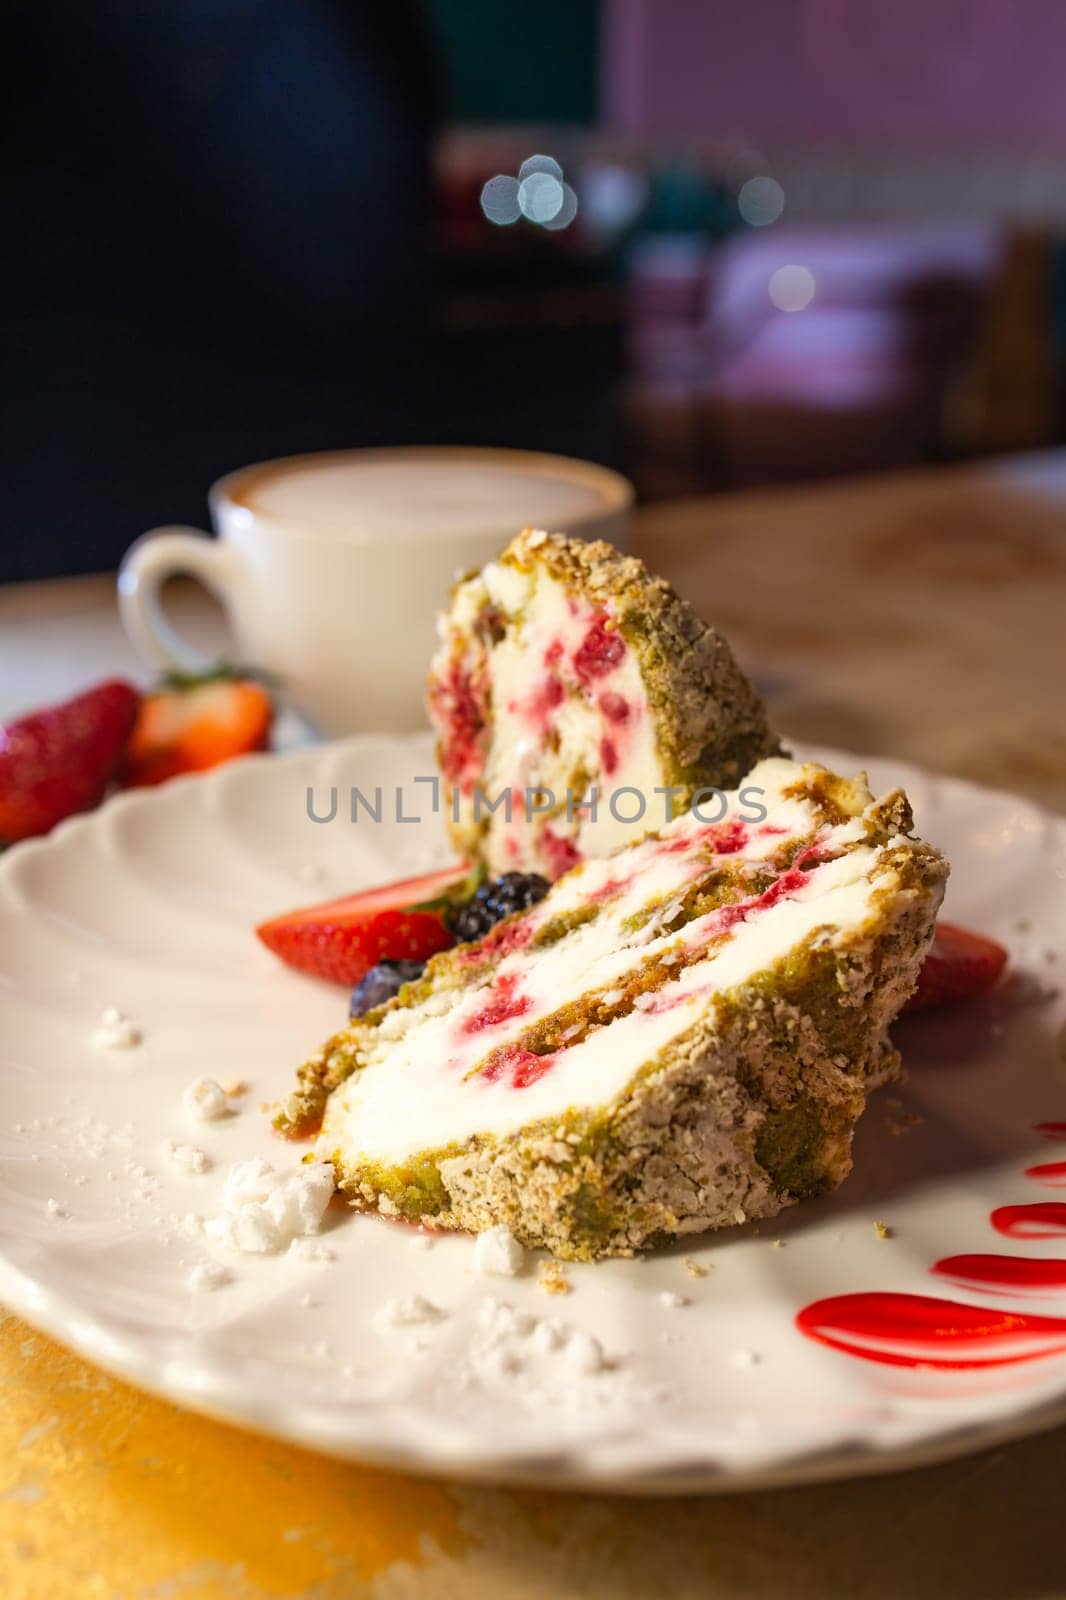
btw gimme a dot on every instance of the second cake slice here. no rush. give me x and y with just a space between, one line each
571 691
679 1036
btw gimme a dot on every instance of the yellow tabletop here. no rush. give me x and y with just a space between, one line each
921 616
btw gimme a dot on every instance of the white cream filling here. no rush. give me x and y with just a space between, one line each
522 757
603 951
417 1093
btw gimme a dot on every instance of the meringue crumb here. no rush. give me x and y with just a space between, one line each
115 1031
234 1087
552 1279
208 1276
672 1299
305 1248
413 1311
882 1230
497 1253
185 1158
205 1099
745 1358
421 1241
694 1269
583 1353
55 1209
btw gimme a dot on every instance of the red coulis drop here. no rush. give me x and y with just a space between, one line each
915 1330
1050 1172
1002 1272
1046 1219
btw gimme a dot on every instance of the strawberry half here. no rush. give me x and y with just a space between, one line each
56 762
193 724
959 964
342 939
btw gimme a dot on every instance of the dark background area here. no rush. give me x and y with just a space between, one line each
242 228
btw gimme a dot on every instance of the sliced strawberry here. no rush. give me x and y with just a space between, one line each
62 760
343 939
194 724
959 964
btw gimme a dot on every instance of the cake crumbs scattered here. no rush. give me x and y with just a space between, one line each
497 1253
882 1230
897 1126
115 1031
694 1268
552 1278
777 1244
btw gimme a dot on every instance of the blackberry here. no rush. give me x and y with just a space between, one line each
381 983
512 891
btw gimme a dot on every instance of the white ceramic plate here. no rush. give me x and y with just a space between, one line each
149 904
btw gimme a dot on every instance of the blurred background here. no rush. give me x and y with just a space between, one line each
714 245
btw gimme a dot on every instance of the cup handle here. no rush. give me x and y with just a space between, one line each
147 564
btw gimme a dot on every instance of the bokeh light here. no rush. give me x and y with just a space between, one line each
612 195
499 200
761 201
546 164
566 212
791 288
540 197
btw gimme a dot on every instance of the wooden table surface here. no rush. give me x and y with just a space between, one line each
923 616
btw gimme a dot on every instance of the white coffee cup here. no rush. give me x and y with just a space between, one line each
331 568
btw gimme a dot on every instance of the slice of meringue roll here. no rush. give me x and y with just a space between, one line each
579 704
679 1036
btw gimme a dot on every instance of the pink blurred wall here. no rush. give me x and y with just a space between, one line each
820 72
